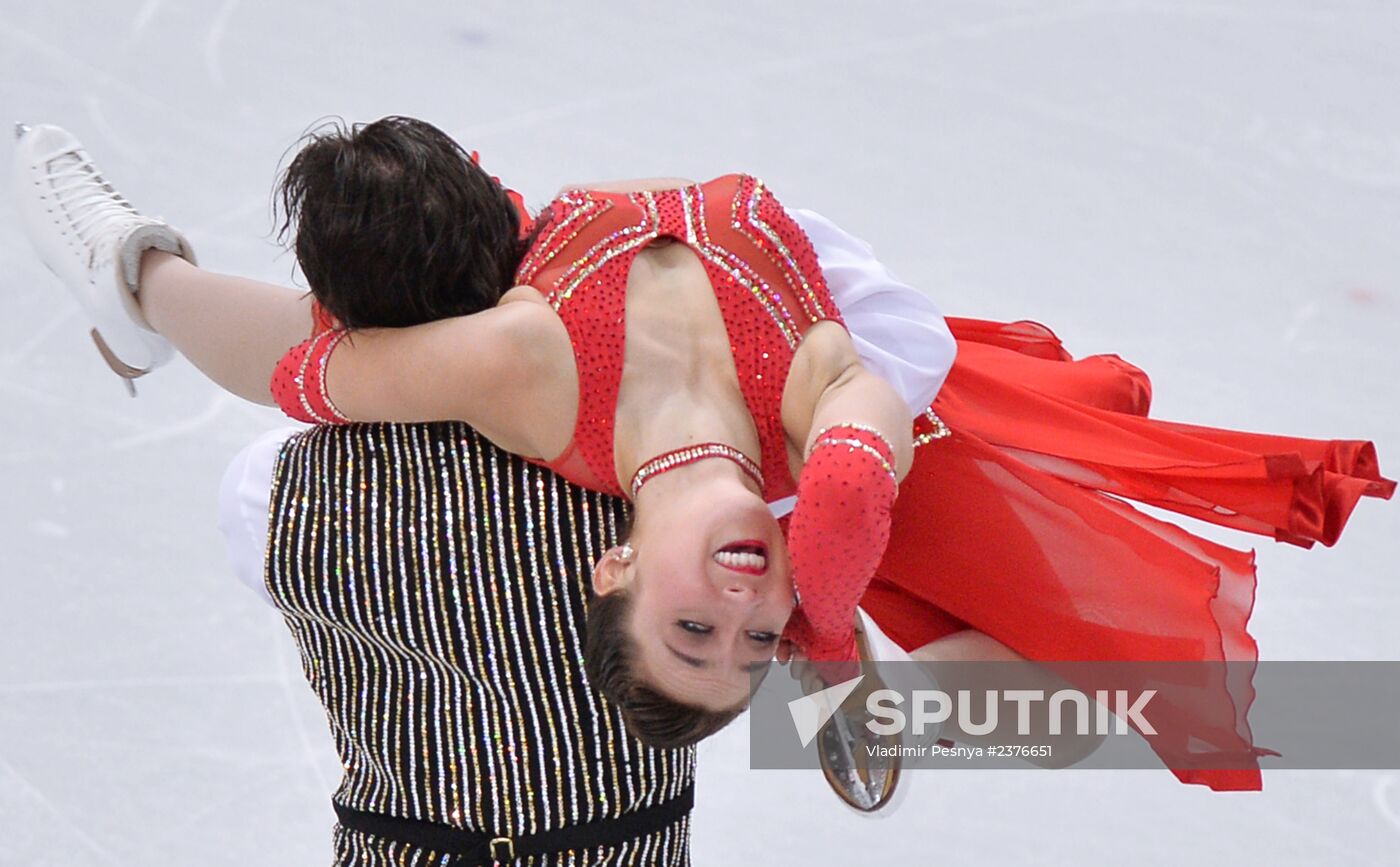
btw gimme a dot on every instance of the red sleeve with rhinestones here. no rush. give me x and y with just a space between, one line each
838 534
299 382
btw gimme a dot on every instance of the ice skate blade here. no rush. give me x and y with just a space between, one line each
119 367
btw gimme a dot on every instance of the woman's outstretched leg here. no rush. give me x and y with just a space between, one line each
135 277
233 329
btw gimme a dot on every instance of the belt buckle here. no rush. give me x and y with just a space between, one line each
510 849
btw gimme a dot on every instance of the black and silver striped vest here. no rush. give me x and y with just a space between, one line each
435 586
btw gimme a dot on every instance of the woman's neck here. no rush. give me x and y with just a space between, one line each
683 418
679 384
713 472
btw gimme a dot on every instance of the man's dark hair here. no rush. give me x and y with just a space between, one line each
394 224
653 718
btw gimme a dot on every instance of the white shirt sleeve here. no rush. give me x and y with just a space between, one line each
245 495
899 333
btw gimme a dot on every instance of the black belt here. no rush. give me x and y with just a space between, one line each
473 848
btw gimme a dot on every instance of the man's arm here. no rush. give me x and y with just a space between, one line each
244 494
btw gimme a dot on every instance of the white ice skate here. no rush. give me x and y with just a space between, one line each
92 239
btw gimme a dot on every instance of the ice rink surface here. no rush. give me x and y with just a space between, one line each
1210 189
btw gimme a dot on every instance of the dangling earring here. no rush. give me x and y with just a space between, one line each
796 598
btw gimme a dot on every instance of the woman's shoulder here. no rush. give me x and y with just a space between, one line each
524 294
825 353
527 317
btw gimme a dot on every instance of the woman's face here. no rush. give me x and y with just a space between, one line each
710 590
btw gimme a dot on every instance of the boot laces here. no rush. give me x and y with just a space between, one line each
97 213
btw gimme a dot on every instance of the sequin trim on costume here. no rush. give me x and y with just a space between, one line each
823 440
936 429
581 264
676 458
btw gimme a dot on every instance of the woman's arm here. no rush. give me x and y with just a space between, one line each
233 329
838 535
862 399
505 371
858 446
829 385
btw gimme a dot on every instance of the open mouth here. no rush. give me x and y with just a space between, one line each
749 557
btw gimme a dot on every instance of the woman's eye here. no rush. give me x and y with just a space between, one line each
764 637
692 626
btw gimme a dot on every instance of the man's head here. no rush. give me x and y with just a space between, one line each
394 224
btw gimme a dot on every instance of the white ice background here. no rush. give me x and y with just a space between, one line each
1210 189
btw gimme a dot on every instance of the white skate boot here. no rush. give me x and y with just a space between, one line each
92 239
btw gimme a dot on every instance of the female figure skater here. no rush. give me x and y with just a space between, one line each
1010 539
625 355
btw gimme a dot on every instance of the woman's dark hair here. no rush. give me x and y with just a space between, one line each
394 224
653 718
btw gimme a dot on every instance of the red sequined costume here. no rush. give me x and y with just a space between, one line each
766 280
1012 520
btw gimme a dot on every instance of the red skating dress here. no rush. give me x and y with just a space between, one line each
1013 520
766 280
1014 523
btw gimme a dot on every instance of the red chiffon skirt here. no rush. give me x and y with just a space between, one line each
1016 525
